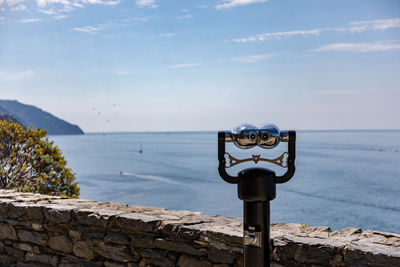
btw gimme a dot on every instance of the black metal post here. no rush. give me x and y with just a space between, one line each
254 255
256 188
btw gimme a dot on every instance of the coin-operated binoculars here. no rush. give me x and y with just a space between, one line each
256 186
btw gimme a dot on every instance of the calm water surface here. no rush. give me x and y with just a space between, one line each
343 178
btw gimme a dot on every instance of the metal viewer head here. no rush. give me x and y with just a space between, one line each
247 136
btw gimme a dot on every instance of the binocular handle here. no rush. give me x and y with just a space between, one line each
278 179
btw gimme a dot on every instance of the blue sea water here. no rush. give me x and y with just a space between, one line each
343 178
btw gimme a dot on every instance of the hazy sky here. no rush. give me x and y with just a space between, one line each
150 65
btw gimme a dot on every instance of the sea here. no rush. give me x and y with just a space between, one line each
343 178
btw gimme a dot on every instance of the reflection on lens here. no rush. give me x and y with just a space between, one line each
268 136
245 136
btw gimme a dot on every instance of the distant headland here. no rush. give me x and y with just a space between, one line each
27 115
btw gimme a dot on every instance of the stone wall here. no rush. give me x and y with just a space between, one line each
39 230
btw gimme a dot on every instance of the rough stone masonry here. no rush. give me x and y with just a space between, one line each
41 230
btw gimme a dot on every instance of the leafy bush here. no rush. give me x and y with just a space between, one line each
29 162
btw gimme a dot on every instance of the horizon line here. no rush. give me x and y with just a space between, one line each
213 131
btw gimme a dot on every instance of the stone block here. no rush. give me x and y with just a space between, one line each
134 222
78 262
42 258
158 262
113 264
7 232
24 246
19 254
6 260
17 211
153 253
116 253
61 243
220 255
33 237
56 228
36 249
37 226
151 242
58 214
88 217
35 214
185 261
74 235
93 235
178 247
83 249
14 223
142 241
30 264
179 231
117 238
337 261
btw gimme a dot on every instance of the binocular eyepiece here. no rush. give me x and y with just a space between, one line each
247 136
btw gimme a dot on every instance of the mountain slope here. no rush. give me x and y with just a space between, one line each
7 117
31 115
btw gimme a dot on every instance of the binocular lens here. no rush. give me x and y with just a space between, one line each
247 136
264 136
269 136
253 136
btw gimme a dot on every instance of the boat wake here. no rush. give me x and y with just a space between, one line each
151 177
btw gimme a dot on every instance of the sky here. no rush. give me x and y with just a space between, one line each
169 65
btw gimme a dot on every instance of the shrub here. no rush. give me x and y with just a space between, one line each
29 162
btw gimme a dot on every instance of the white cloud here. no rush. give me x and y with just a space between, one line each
234 3
48 11
58 8
58 17
252 58
76 3
19 7
187 16
30 20
354 27
10 2
116 24
186 65
168 34
146 3
15 76
357 47
89 29
380 24
44 3
13 5
277 35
